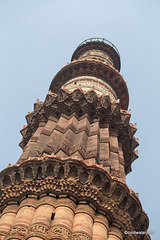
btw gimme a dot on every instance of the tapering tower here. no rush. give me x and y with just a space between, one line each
78 145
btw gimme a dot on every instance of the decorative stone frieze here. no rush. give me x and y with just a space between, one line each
74 135
115 198
94 68
88 82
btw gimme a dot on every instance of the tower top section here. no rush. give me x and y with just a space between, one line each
94 64
110 52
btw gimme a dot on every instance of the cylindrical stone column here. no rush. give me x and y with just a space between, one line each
100 227
61 226
7 219
23 219
115 233
42 219
83 222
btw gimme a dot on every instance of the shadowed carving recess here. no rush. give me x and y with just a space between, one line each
80 124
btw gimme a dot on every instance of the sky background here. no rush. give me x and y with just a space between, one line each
37 38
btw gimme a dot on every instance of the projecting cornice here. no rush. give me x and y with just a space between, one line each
55 176
96 107
96 68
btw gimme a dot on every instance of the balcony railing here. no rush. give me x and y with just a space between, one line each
100 40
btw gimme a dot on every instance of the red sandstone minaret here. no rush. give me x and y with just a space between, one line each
78 145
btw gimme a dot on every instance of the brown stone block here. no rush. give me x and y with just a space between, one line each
108 168
63 217
114 144
33 238
43 139
83 223
91 161
114 156
73 120
104 134
61 153
120 156
46 132
24 216
115 233
64 214
114 160
94 128
47 200
92 143
51 124
42 124
7 219
81 139
66 202
60 128
100 229
31 201
84 208
55 138
83 125
53 119
10 209
43 215
72 127
62 123
104 151
34 139
69 137
77 155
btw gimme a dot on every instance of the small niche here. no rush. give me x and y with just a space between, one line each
17 178
28 173
39 173
52 216
83 177
97 180
61 172
72 172
6 181
50 170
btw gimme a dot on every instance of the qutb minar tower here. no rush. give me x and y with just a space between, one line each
78 146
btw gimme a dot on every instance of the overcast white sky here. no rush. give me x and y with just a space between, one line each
38 37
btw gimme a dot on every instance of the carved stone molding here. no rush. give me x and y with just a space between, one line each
63 105
37 230
17 232
80 236
113 197
59 231
94 68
